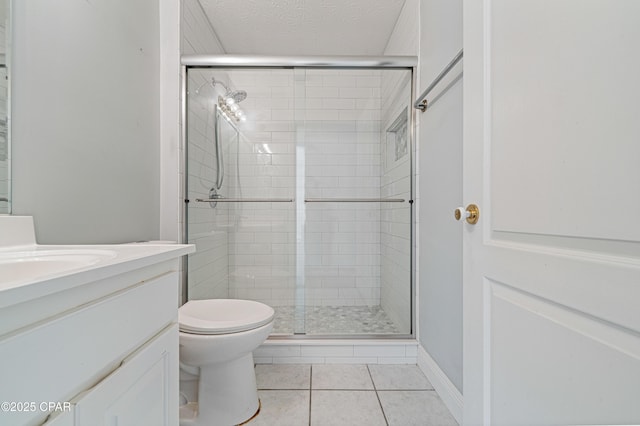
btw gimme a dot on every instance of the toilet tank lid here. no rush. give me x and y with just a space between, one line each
223 316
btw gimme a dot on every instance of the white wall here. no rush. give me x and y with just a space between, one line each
86 119
170 197
440 190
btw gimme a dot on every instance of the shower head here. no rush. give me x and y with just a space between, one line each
228 103
237 95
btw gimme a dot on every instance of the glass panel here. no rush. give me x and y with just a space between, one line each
245 249
357 246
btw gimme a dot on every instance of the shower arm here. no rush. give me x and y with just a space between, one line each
213 83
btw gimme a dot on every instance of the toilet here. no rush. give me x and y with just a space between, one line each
217 376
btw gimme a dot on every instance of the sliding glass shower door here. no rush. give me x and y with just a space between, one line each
245 238
313 215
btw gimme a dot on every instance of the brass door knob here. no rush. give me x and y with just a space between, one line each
471 213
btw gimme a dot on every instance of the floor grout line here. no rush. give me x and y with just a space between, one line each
310 390
377 396
321 392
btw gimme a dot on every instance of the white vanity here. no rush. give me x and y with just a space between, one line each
88 334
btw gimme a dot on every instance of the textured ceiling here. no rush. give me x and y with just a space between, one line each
303 27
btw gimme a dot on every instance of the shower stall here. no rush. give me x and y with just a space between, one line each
298 189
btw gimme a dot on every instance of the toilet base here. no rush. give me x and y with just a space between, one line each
189 412
227 394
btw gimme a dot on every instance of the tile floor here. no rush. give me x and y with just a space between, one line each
347 395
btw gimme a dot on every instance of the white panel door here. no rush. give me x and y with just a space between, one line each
552 157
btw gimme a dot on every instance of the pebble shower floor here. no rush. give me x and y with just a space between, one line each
335 320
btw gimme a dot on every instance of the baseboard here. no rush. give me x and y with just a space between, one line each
447 391
344 351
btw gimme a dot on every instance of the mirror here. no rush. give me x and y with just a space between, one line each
5 148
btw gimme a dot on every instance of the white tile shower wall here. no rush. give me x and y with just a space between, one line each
262 238
330 120
342 155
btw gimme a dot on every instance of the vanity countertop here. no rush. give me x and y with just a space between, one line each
29 270
103 261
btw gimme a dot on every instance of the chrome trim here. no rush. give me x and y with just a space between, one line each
299 61
421 103
354 200
244 200
413 148
184 273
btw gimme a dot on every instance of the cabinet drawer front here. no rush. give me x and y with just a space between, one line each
56 360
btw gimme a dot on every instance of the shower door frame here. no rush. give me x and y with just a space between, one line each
408 63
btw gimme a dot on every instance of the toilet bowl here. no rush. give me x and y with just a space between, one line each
217 339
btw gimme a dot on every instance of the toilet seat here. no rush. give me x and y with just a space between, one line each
223 316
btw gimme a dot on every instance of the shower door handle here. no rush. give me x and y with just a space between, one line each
354 200
244 200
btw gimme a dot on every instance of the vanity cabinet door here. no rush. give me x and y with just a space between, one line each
65 418
142 391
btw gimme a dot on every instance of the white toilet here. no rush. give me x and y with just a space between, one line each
217 378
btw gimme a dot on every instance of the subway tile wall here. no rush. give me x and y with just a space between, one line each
372 244
323 128
262 264
342 155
